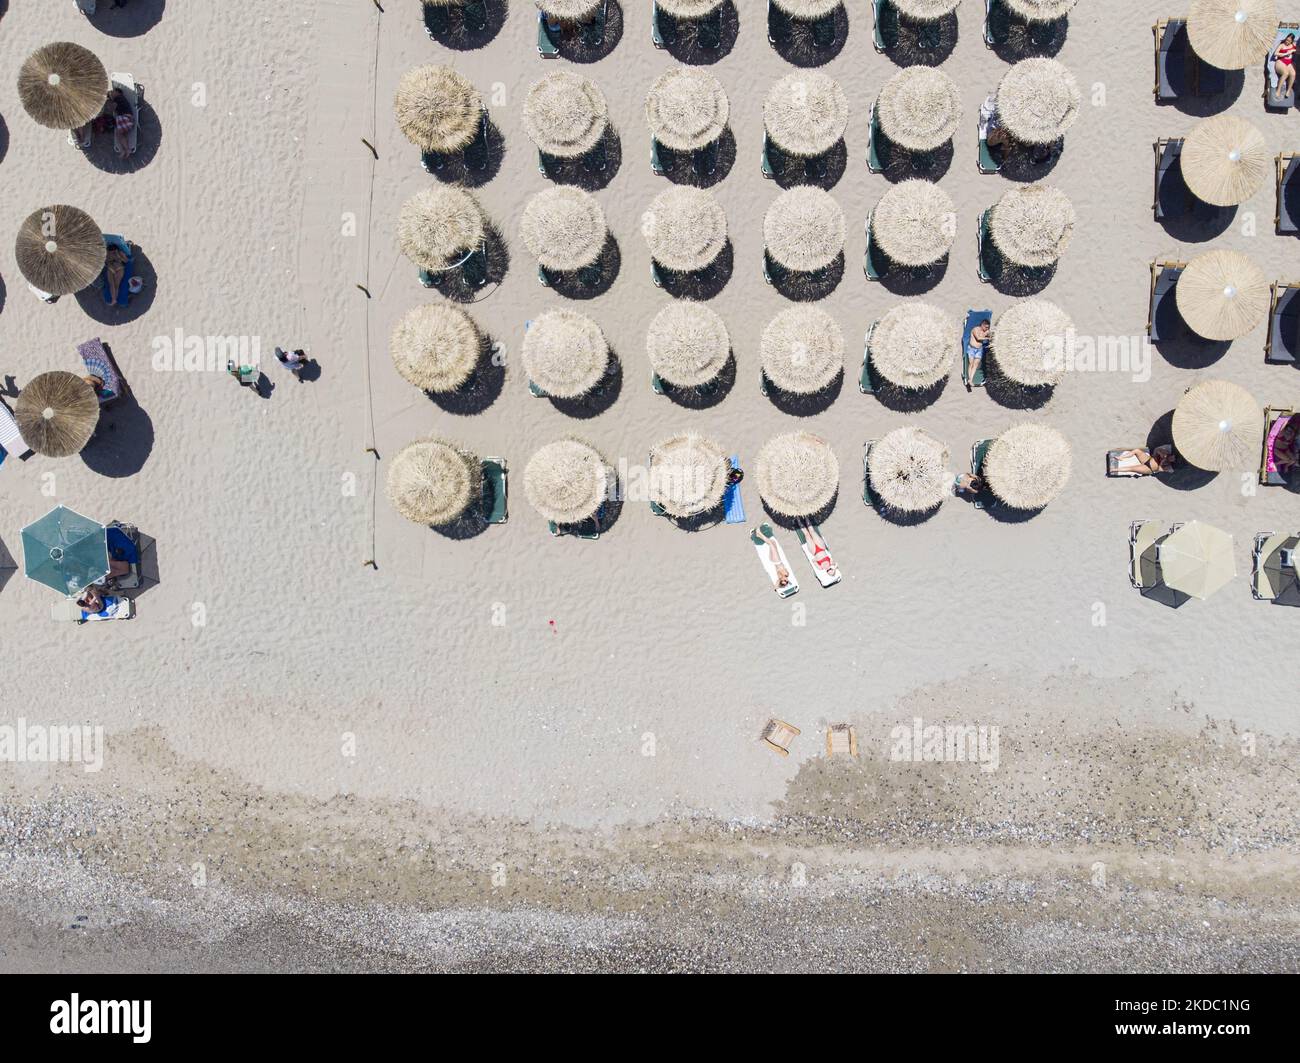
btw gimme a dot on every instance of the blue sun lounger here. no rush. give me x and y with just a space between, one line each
973 318
735 505
123 291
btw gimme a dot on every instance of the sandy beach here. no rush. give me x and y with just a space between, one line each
337 740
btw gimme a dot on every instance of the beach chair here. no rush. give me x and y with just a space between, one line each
1174 59
866 384
1164 279
869 498
973 318
1275 419
982 244
987 163
885 24
872 264
1285 221
997 24
777 24
874 163
661 159
1283 344
593 30
1113 470
978 453
656 25
1278 582
99 362
1172 197
132 92
1287 102
124 290
124 545
733 504
1143 565
769 566
115 608
496 490
778 734
820 571
547 46
841 738
11 440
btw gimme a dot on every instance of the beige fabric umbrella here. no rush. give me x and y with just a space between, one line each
686 108
1222 295
687 344
438 109
63 85
925 10
803 229
1197 559
565 114
565 353
1041 10
913 345
688 474
57 413
919 108
1027 466
798 474
434 482
567 10
914 223
438 225
802 350
1032 226
808 10
567 481
806 113
1225 160
564 228
1218 425
60 249
1029 342
1038 100
909 470
1232 34
436 347
685 228
689 8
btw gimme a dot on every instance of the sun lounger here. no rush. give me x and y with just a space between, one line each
733 504
978 453
1143 567
1275 419
124 545
496 490
547 46
1172 197
874 163
593 30
1162 303
885 23
128 271
866 384
769 566
98 362
868 495
973 318
11 440
995 24
115 608
1174 60
778 734
1287 102
872 265
1273 569
1283 344
1285 219
819 569
841 738
987 163
1116 472
132 92
656 25
982 244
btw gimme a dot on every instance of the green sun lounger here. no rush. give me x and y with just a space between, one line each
874 163
885 24
866 384
546 43
869 498
495 490
983 244
977 455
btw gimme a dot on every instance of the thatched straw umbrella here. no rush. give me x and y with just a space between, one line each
1225 160
798 474
63 85
1232 34
1222 295
802 350
436 347
1038 100
688 9
808 10
1197 559
803 229
1028 342
909 470
686 109
57 413
567 481
687 344
914 223
1041 10
1218 425
688 474
438 109
434 482
438 225
568 10
1028 465
913 345
919 108
565 353
1032 226
925 10
685 228
806 113
565 114
564 228
60 249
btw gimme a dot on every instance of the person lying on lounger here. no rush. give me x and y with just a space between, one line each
976 346
1141 462
1284 67
821 554
115 270
968 484
782 573
123 121
1286 447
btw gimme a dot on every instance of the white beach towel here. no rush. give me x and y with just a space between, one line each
819 570
770 568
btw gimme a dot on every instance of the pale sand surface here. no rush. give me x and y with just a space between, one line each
521 743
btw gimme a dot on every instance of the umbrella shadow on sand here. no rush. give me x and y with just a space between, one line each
8 566
103 155
707 397
131 19
701 284
910 43
682 167
1180 346
909 400
1154 588
899 164
911 280
804 405
807 286
1018 39
791 523
459 29
91 299
591 281
1028 163
599 399
122 442
454 169
825 173
578 44
684 40
480 391
1013 396
453 284
581 172
1185 476
1204 106
799 42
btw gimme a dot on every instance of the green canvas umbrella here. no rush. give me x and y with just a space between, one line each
1196 559
65 551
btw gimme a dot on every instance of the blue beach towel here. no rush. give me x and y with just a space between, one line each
735 506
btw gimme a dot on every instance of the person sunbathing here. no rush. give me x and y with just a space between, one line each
821 554
968 484
1286 447
1284 67
976 346
782 573
114 271
1140 462
123 121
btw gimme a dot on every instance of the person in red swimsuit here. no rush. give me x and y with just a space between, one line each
1284 67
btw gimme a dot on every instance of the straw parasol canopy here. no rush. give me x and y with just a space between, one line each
798 474
687 344
60 249
564 228
1222 295
686 108
808 9
1038 100
685 228
1197 559
565 114
1218 425
919 108
1028 465
1232 34
439 224
565 353
436 347
1225 160
925 10
567 481
803 229
566 10
1032 226
806 113
57 413
913 345
1028 342
1041 10
434 482
802 350
688 474
63 85
914 223
689 8
909 470
438 109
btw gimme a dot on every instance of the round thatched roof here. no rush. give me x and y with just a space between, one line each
567 10
1041 10
806 113
1038 100
565 114
926 10
913 345
802 350
687 344
1222 295
438 109
919 108
1032 226
687 9
686 108
438 225
434 482
565 353
688 474
1232 34
808 10
1218 425
798 474
1225 160
685 228
436 347
564 228
57 413
914 223
1029 342
567 481
909 471
63 85
803 229
1027 466
60 249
